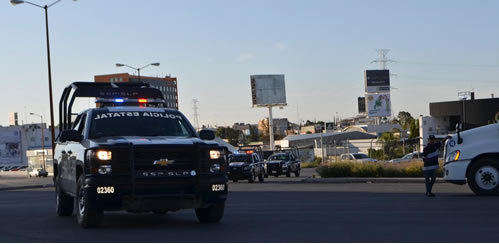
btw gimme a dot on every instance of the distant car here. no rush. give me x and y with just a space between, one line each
15 168
246 166
408 157
358 157
283 163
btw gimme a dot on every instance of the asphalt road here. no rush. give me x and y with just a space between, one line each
278 210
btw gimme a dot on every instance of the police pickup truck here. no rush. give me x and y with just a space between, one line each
283 162
132 153
247 164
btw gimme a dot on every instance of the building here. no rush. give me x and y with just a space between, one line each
167 85
20 144
470 112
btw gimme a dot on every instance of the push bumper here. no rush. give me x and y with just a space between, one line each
455 172
206 192
239 174
276 170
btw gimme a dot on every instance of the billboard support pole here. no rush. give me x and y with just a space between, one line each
271 129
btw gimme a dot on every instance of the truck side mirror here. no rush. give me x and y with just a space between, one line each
207 135
70 135
459 127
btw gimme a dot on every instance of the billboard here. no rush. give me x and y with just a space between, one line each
268 90
377 80
378 105
361 101
10 148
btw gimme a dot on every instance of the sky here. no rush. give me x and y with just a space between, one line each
438 48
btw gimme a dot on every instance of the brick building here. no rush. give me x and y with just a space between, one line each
167 85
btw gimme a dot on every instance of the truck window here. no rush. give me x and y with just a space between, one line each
139 123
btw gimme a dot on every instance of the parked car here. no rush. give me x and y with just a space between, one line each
358 157
408 157
283 163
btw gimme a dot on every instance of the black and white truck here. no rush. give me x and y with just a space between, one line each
132 153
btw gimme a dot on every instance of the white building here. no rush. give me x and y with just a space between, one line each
16 141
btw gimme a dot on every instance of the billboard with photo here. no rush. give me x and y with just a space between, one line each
10 148
378 105
268 90
377 80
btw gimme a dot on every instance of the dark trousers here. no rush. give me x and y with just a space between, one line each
430 176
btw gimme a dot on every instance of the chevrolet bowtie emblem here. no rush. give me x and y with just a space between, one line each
163 162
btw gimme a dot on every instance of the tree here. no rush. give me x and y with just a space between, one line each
228 133
253 134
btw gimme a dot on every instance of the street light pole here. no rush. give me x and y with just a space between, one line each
45 8
137 69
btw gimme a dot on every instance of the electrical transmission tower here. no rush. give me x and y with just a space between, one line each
382 58
195 112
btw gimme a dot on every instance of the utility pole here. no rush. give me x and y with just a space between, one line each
195 113
382 59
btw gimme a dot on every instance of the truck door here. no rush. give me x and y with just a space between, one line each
70 154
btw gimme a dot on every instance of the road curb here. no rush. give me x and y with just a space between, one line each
368 180
25 187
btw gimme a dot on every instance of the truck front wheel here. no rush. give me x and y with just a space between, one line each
483 177
87 217
63 202
212 214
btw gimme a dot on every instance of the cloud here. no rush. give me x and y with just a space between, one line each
245 57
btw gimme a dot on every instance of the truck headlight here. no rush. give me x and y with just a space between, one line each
215 154
104 155
246 168
453 156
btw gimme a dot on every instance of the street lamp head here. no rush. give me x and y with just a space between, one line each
120 65
155 64
31 114
16 2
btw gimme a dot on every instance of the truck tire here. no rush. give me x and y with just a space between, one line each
212 214
297 173
63 202
251 178
87 217
483 177
288 172
261 177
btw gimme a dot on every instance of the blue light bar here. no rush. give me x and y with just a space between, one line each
119 100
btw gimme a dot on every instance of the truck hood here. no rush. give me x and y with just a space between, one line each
237 164
153 140
275 162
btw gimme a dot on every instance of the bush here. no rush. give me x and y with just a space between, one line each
355 169
314 164
309 165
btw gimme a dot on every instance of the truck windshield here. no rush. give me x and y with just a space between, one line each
279 157
360 156
139 123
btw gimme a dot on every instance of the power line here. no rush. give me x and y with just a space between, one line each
450 64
